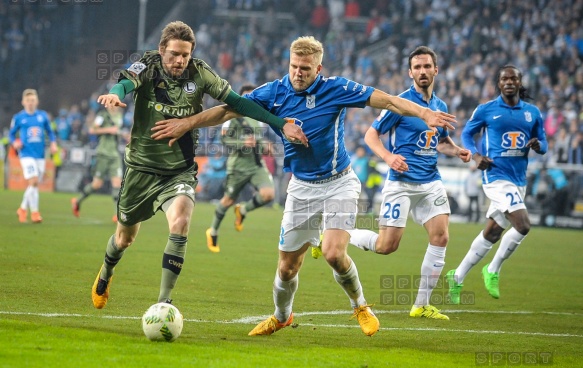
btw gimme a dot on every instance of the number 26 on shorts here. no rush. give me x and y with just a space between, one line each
393 211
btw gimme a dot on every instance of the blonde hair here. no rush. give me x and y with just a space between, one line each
28 92
177 30
308 45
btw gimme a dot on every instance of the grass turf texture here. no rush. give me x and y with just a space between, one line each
47 319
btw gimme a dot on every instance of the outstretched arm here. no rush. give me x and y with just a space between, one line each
401 106
238 106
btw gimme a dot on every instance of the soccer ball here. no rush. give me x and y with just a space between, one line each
162 322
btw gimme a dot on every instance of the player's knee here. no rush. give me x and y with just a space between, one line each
334 256
179 224
440 239
227 201
123 241
387 247
267 196
523 227
288 271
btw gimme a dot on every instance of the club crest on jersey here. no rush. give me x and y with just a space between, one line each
528 116
310 101
189 87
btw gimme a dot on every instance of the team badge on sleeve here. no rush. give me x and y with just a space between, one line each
137 67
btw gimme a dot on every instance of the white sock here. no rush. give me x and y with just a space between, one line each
510 241
351 285
283 296
25 196
478 250
363 239
431 267
33 199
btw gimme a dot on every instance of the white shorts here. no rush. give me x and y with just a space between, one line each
32 167
425 201
504 197
307 203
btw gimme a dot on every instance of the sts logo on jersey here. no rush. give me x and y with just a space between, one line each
427 141
513 140
34 134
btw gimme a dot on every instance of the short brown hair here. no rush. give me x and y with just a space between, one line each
308 45
177 30
28 92
423 50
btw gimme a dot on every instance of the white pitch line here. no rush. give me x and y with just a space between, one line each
255 319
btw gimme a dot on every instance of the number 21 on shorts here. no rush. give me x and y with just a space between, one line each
514 198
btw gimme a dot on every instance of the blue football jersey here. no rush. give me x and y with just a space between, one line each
411 138
505 132
32 129
320 111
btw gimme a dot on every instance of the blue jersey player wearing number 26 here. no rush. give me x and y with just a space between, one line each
510 128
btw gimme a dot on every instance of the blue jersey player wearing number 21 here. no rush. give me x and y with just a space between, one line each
510 128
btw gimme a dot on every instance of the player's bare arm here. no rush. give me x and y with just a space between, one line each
395 161
401 106
449 148
173 129
53 147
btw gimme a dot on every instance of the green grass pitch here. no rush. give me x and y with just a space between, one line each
47 318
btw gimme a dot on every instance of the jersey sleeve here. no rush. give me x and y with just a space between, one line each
262 95
48 128
472 127
215 86
137 72
14 126
349 93
386 121
539 133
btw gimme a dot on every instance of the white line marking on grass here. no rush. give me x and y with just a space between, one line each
255 319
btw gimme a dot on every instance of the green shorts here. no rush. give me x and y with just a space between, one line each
259 178
142 194
107 167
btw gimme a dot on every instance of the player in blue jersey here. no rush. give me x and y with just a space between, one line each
413 183
509 128
324 189
33 127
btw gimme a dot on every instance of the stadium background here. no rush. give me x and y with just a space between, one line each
71 51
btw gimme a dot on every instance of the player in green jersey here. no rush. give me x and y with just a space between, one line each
106 126
166 83
245 144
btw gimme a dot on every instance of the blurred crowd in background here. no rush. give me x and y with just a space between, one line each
247 42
